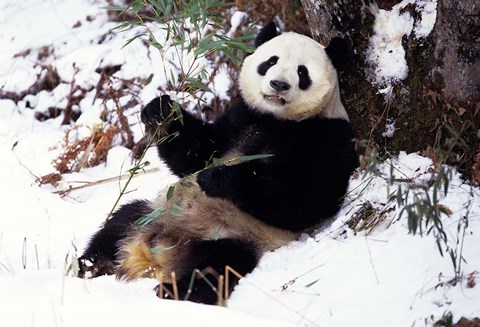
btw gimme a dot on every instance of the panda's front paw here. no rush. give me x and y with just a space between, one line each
90 267
157 113
215 181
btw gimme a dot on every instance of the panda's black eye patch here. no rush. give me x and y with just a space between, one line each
304 77
265 66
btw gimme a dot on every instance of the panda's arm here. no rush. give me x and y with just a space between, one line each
230 182
185 143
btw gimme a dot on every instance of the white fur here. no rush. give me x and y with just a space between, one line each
322 98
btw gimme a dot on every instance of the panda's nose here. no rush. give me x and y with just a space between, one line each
279 85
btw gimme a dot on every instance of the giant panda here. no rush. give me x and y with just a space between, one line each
295 132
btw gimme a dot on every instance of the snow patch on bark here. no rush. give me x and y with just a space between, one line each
386 55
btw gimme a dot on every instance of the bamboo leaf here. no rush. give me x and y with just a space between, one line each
203 45
161 249
254 157
178 112
197 85
178 207
132 39
137 6
176 213
154 44
204 74
126 26
172 77
115 8
312 283
148 218
216 161
170 192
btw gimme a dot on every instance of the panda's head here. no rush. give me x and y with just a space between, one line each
292 77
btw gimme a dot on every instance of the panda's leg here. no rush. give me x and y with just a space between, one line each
210 257
100 256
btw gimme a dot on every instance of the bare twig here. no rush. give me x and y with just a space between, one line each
174 286
24 253
292 281
103 181
36 256
229 269
219 290
371 261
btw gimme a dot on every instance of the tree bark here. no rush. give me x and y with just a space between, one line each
457 46
438 100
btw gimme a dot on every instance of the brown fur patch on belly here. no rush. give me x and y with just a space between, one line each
158 248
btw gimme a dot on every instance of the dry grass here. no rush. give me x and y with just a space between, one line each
476 170
87 152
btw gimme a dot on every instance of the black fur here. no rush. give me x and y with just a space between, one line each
189 151
263 68
340 52
210 258
267 33
304 77
302 182
100 256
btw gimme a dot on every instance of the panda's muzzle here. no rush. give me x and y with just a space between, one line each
275 98
278 87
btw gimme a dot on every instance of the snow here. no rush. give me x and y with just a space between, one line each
386 54
428 10
389 129
336 277
237 18
387 278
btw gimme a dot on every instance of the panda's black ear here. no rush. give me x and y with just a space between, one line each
267 33
340 52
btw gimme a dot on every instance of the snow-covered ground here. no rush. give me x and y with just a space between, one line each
335 278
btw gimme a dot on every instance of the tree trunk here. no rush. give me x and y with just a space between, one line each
457 37
437 99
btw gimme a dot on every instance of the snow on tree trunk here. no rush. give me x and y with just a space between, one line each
415 78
